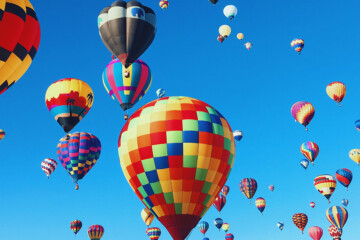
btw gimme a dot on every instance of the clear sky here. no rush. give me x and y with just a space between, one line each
253 89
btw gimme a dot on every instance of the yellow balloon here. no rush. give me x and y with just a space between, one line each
355 155
225 30
147 216
240 36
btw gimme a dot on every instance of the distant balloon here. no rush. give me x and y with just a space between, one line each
164 4
48 166
310 150
334 232
336 91
280 225
75 226
127 29
219 202
153 233
337 216
297 44
304 163
355 155
205 238
220 38
238 135
224 31
225 190
260 204
203 227
248 187
344 176
326 185
147 216
312 204
272 188
218 222
303 112
315 233
229 236
214 1
230 11
240 36
225 227
160 93
345 202
96 232
357 124
300 220
2 134
248 45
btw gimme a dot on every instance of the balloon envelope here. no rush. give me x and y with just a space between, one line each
218 222
260 204
203 227
304 163
344 176
334 232
230 11
240 36
224 30
337 216
310 150
147 216
48 166
355 155
300 220
225 190
153 233
345 202
336 91
160 93
297 44
303 112
325 184
312 204
248 187
2 134
75 226
238 135
164 4
229 236
280 225
95 232
219 202
225 227
315 233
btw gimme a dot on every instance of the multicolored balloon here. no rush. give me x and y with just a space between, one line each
326 185
345 202
69 100
160 93
127 85
272 188
316 233
304 163
225 190
240 36
75 226
248 45
95 232
334 232
303 112
238 135
127 29
300 220
2 134
218 222
220 38
336 91
280 225
297 44
248 187
355 155
153 169
147 216
19 40
312 204
344 176
153 233
229 236
230 11
310 150
337 216
78 153
219 202
48 166
203 227
225 227
260 204
164 4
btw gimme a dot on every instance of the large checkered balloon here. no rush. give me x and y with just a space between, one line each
177 153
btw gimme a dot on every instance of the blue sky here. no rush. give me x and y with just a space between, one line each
253 89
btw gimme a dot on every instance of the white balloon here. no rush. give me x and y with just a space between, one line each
230 11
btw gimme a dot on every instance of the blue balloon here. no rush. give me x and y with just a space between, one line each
357 124
160 93
304 163
345 202
203 226
218 223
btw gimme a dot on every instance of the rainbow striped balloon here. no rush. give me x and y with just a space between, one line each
303 112
326 185
225 227
336 91
310 150
260 204
164 4
298 44
337 216
153 233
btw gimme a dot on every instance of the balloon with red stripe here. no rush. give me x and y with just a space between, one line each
337 216
96 232
336 91
344 177
219 202
48 166
303 112
334 232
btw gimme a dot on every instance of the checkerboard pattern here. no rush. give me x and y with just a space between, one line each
300 220
248 187
177 153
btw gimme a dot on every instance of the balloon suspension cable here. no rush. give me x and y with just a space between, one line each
250 202
339 104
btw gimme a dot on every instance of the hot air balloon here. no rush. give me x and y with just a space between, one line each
127 85
357 124
272 188
219 202
48 166
312 204
238 135
315 233
2 134
78 153
325 184
220 38
229 236
280 225
344 176
153 233
297 44
182 169
303 112
304 163
147 216
300 220
160 93
260 204
240 36
248 187
225 190
355 155
19 40
75 226
164 4
95 232
214 1
334 232
203 227
310 150
205 238
337 216
127 29
230 11
345 202
248 45
69 100
225 227
336 91
224 30
218 222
